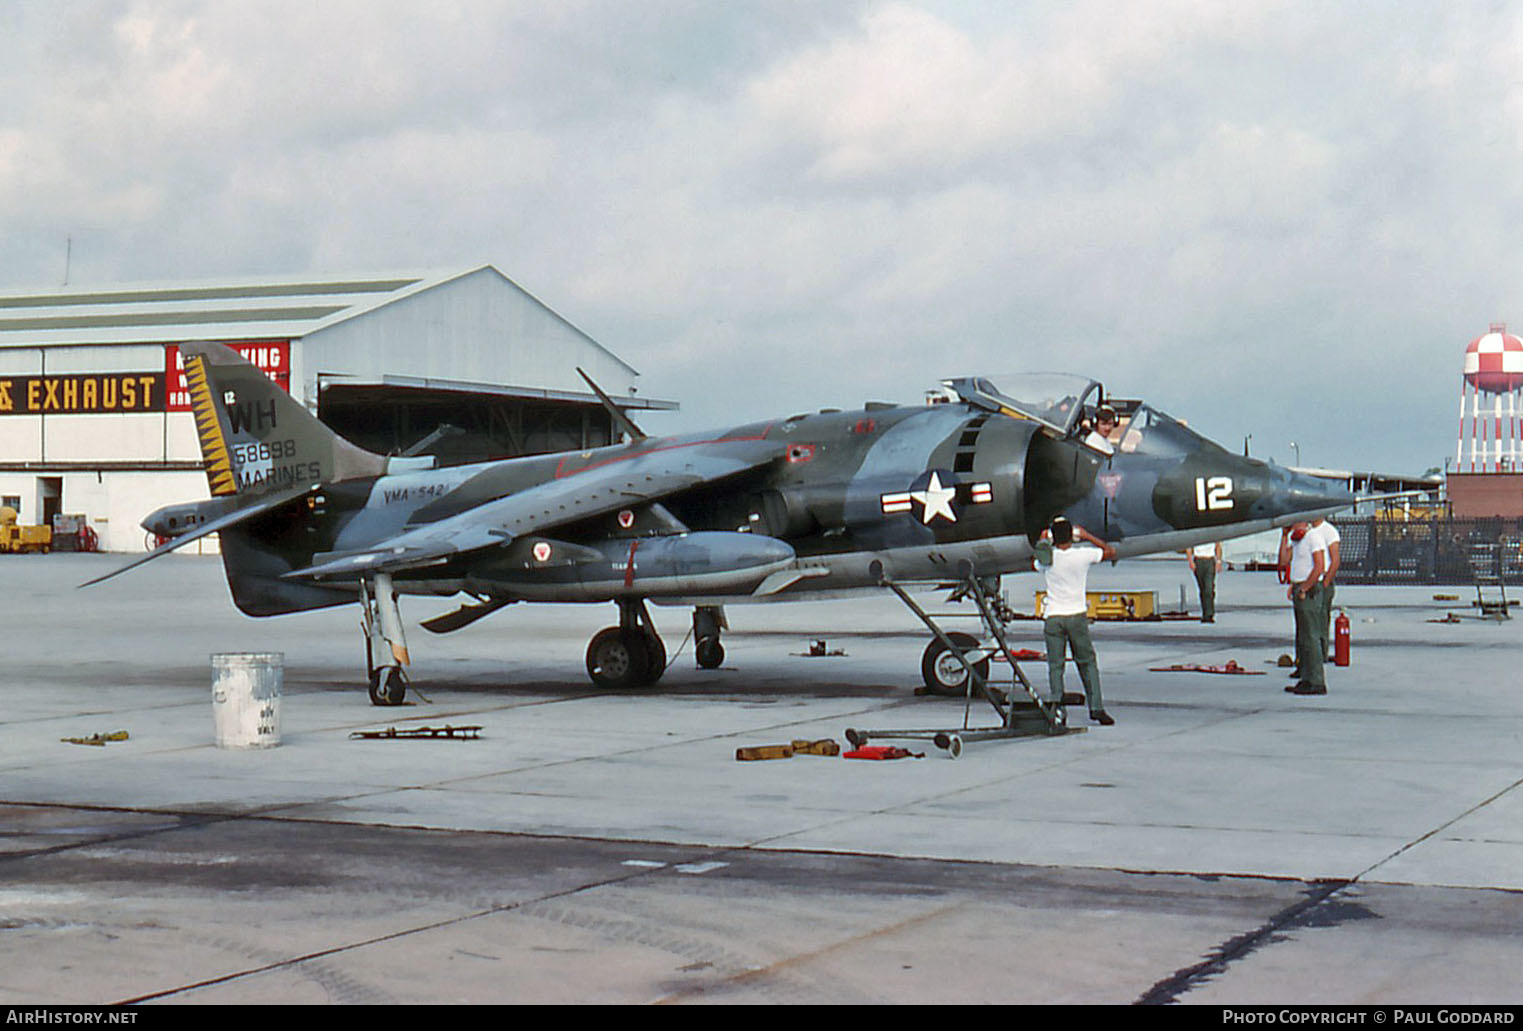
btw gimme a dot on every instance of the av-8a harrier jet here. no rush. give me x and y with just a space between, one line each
957 491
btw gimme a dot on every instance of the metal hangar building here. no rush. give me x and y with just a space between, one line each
464 364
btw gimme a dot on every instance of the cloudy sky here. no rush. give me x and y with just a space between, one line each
1277 219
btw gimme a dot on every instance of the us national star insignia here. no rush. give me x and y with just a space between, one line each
935 499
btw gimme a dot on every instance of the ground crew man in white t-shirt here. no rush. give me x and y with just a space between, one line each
1065 611
1205 560
1332 539
1303 551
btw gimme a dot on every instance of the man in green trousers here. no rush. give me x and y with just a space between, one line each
1065 612
1302 551
1205 560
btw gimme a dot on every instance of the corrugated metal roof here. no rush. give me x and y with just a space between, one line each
140 319
214 292
170 312
277 308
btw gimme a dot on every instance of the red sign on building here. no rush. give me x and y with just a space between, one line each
271 357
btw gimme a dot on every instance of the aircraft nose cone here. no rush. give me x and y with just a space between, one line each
1297 495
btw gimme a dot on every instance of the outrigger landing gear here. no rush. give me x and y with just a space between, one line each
953 665
382 624
708 621
631 654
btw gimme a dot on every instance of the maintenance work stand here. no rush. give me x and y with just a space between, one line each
1022 711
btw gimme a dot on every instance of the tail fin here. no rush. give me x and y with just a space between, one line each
256 438
261 445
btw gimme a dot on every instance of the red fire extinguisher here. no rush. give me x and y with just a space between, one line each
1341 639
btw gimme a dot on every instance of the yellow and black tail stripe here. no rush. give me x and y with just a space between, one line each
219 466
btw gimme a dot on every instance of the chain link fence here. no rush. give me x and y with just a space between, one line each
1430 551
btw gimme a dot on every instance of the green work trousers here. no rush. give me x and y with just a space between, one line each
1311 635
1205 579
1062 632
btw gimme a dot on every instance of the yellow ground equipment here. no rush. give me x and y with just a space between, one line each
1114 604
15 537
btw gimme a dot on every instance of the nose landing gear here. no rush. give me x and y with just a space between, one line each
955 664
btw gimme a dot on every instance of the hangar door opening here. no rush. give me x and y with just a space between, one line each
461 426
49 497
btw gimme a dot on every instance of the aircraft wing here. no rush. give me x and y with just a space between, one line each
607 487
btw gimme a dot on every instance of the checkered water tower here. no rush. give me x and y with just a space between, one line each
1492 429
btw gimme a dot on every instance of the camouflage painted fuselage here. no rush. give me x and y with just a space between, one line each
770 511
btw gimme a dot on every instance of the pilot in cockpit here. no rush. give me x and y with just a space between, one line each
1105 425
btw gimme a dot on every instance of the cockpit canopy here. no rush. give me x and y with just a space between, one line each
1065 406
1057 400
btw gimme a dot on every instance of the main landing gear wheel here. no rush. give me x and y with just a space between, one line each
943 672
388 686
655 656
631 654
620 658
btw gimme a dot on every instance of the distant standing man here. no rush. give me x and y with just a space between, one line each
1331 539
1306 556
1066 610
1205 560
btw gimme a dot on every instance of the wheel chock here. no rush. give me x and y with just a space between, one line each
759 752
824 746
98 740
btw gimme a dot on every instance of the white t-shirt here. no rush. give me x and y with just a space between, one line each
1098 441
1066 579
1302 552
1330 536
1206 550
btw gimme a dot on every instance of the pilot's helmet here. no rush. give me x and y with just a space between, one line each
1105 413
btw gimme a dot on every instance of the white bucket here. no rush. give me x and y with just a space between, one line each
246 699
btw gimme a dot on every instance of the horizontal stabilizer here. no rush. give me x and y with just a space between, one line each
241 515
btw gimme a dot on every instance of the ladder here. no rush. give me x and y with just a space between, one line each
1486 569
